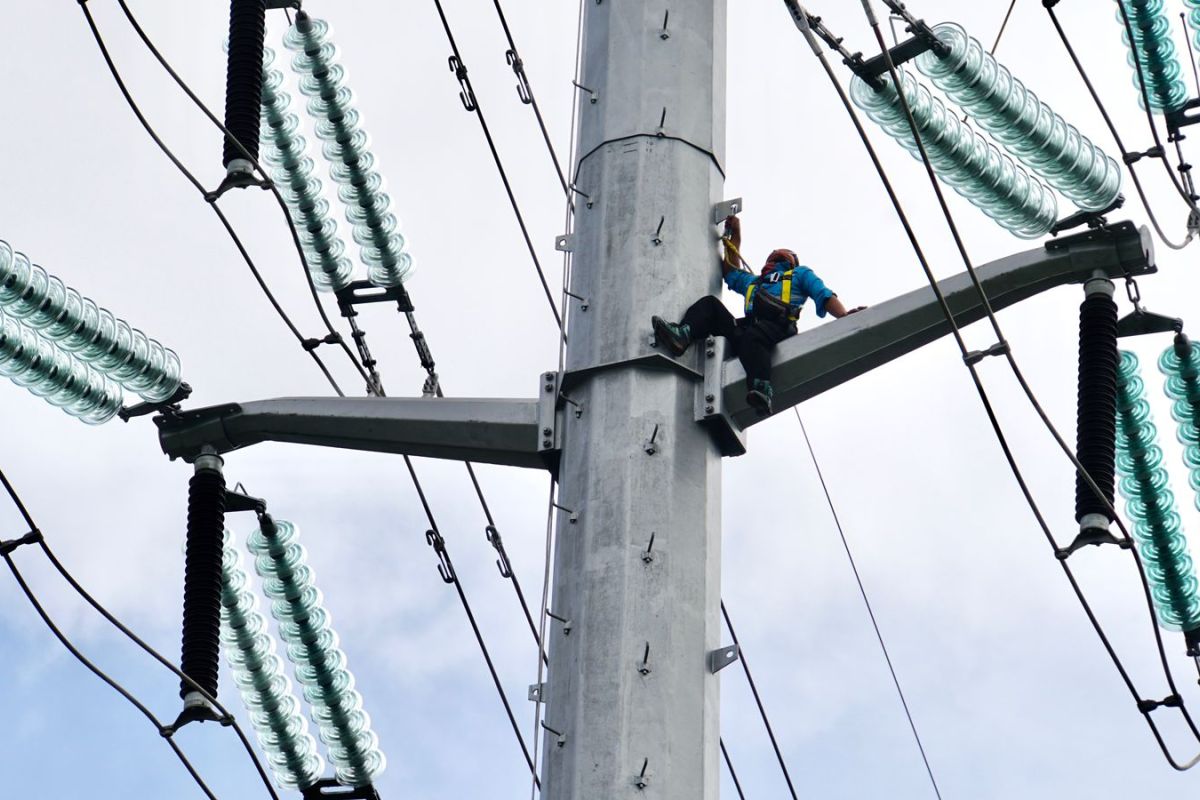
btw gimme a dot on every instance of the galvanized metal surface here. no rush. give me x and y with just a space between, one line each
487 431
647 245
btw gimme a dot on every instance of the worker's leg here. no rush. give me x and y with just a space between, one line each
706 317
755 349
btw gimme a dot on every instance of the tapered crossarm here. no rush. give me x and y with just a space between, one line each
830 354
488 431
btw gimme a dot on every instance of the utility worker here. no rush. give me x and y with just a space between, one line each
773 300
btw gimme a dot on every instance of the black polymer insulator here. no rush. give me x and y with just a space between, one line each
1097 408
243 80
202 581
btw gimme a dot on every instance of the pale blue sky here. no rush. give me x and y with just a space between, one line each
1012 693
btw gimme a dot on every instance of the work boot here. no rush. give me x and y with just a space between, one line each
760 395
677 338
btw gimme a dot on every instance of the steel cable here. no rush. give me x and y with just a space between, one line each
862 589
471 103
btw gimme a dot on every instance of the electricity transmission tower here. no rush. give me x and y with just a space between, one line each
635 437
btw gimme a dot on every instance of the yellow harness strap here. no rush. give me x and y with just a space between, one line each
785 294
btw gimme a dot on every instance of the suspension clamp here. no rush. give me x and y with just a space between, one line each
33 537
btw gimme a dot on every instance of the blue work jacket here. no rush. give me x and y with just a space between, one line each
805 285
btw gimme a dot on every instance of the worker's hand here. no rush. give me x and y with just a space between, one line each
733 227
855 310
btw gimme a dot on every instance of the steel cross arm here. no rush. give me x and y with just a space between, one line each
831 354
488 431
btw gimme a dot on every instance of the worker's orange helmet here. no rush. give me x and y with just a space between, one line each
781 259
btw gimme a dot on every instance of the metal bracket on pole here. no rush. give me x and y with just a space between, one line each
549 437
720 659
710 401
537 692
725 209
565 243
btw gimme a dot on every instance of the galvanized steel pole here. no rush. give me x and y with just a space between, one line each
635 465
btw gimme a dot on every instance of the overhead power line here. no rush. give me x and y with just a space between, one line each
525 92
471 103
758 701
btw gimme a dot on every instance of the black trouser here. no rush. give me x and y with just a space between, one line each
753 340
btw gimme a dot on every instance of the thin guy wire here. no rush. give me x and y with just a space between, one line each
1112 128
758 701
129 634
268 183
478 110
99 673
862 589
523 77
1032 398
537 703
729 764
997 430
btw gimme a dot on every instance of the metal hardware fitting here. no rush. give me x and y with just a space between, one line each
574 516
651 446
722 658
648 553
644 666
565 243
566 623
33 537
537 692
594 97
725 209
640 781
560 738
975 356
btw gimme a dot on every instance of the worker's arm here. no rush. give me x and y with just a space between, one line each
823 297
733 232
836 307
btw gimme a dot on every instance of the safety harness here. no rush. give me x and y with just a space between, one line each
769 305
